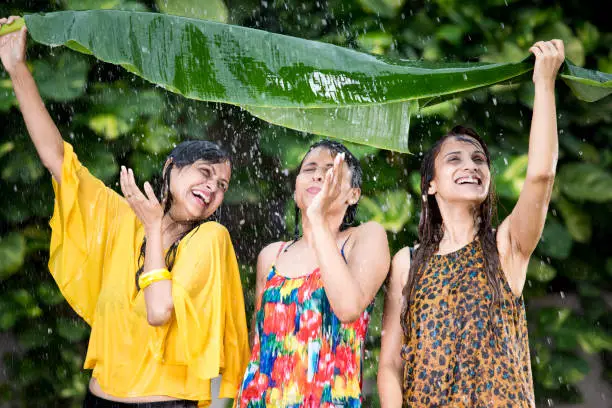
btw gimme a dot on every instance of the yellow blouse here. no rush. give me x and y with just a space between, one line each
95 245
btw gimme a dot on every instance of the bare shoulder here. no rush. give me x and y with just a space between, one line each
400 266
402 258
267 256
371 231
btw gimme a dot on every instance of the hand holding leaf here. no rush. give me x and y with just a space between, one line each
12 45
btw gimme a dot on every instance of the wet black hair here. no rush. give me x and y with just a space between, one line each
431 226
356 179
184 154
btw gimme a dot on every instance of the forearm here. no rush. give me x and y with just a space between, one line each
341 288
543 138
389 387
43 131
158 295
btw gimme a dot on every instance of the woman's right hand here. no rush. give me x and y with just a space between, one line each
12 46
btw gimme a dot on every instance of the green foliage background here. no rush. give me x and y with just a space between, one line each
114 118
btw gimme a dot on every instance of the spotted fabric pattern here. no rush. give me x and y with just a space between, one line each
463 350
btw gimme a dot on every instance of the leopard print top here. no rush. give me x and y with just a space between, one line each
463 351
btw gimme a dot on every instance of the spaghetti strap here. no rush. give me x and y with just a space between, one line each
280 249
342 249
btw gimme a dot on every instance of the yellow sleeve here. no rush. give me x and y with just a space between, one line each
208 333
80 227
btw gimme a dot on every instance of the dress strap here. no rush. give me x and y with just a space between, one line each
280 249
342 249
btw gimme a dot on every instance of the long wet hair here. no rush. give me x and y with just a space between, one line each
184 154
356 180
431 226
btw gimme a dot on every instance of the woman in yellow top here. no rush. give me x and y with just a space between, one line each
158 285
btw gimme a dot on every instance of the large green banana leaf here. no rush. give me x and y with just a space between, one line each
306 85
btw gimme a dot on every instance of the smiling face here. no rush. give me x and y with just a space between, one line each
309 180
462 171
198 189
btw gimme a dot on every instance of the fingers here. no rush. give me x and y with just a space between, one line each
128 184
535 50
338 167
150 193
9 20
123 182
560 47
130 188
554 48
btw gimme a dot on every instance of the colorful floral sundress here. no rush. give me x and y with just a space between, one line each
303 356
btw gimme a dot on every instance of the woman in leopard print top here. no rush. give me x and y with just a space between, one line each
454 320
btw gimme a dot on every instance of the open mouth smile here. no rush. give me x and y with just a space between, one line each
202 197
469 180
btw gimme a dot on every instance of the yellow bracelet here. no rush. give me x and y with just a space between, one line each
153 276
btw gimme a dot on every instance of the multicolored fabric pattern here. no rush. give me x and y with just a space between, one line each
464 351
303 356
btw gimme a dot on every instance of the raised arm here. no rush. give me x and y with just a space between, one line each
43 132
391 364
158 295
352 284
519 234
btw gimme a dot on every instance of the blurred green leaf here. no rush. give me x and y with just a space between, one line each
392 209
289 146
108 125
375 42
72 329
22 167
7 97
49 294
102 165
158 139
540 271
383 8
451 33
27 303
589 36
593 340
573 47
585 182
12 254
510 177
36 335
552 319
578 222
63 78
556 241
146 166
564 369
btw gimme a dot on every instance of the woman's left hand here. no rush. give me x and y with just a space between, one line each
147 207
317 210
549 56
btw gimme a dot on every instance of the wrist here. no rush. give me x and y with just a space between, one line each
153 229
545 84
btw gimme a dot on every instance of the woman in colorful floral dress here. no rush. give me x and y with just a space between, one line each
454 319
315 293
